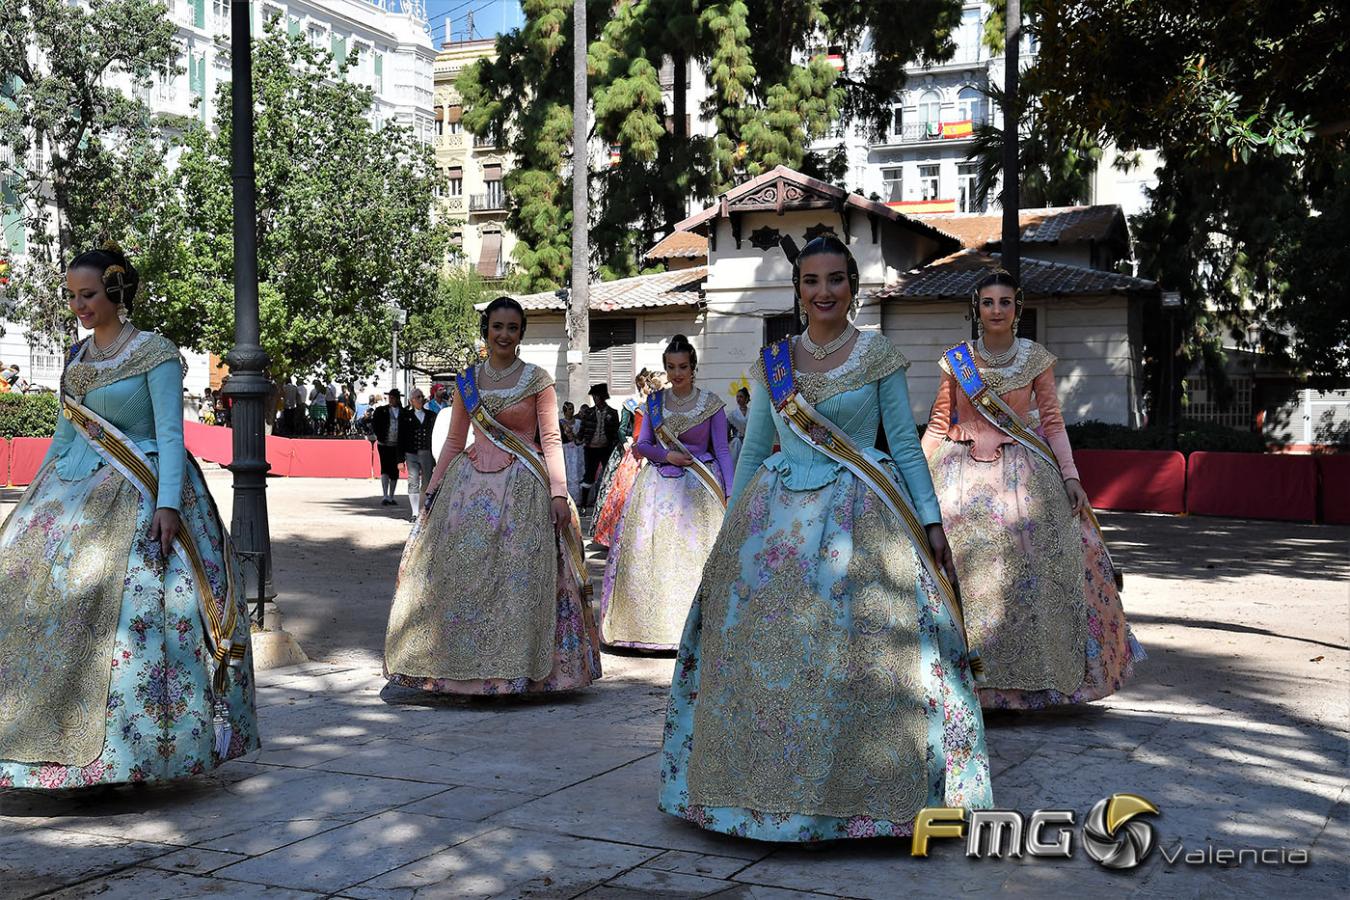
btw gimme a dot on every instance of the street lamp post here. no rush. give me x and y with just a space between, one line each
400 318
249 385
1171 304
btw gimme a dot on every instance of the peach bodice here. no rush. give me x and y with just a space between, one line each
1027 383
530 409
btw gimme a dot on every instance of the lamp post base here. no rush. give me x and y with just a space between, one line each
276 648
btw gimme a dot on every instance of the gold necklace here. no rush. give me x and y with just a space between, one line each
498 374
682 404
820 351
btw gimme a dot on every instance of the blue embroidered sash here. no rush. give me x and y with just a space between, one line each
656 411
569 535
809 425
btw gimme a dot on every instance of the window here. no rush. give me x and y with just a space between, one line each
971 105
220 16
453 115
968 36
440 120
967 174
456 179
778 327
612 358
1026 326
929 182
930 111
897 119
315 36
892 179
492 177
490 255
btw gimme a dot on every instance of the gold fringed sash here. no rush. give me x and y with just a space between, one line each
218 614
671 441
960 364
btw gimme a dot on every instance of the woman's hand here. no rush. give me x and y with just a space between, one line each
164 528
1078 497
679 458
942 551
561 512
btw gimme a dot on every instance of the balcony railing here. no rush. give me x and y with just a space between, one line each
488 202
454 204
483 141
453 140
927 132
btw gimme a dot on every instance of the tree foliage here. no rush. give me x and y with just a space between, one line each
1245 103
772 93
344 231
82 160
443 336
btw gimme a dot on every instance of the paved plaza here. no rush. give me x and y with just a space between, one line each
1236 728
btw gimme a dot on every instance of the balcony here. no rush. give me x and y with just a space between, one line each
493 201
932 132
457 140
483 142
455 205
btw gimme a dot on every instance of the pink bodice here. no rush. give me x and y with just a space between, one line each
986 441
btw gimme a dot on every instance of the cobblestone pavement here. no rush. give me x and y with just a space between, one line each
1236 728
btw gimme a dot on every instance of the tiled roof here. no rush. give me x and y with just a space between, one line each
954 277
1055 224
680 245
677 288
817 188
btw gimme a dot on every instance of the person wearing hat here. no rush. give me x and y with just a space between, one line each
434 402
386 428
599 433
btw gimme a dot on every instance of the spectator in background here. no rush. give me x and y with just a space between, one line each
291 400
206 409
385 427
437 392
4 385
414 437
599 433
330 402
12 379
318 407
221 404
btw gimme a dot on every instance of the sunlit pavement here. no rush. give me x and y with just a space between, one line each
1236 728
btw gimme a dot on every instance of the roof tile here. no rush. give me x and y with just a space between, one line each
676 288
954 277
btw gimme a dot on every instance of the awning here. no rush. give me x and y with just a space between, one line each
489 259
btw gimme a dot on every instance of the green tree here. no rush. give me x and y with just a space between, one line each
443 337
773 92
344 230
80 159
1245 103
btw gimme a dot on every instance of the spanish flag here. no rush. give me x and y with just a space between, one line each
615 155
962 129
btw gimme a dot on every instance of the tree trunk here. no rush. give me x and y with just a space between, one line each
1011 249
675 205
578 304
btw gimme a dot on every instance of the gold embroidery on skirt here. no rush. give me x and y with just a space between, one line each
809 704
477 594
57 637
652 590
1019 551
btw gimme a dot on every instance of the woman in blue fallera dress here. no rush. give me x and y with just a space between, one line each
822 688
124 639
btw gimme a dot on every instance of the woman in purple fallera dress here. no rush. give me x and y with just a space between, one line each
673 513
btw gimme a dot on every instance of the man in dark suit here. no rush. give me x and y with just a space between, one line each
414 437
386 427
598 434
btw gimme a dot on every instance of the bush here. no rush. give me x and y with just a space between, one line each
1191 436
28 415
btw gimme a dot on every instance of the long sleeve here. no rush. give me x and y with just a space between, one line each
940 419
721 449
902 435
65 433
1052 422
166 399
647 446
760 435
625 424
455 440
550 441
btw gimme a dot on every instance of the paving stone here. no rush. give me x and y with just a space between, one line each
471 804
354 853
152 884
697 864
508 862
674 885
35 860
194 861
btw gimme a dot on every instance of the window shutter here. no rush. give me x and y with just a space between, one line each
492 172
199 13
454 114
490 256
622 366
292 26
455 172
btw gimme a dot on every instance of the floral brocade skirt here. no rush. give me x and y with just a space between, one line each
613 496
821 689
667 532
103 678
1040 598
474 611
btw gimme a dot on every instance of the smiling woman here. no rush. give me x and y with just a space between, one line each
124 644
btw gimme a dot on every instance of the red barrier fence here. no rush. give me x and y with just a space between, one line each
209 443
1134 480
1335 472
25 458
4 461
1252 486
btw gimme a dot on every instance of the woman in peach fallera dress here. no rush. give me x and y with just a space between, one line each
474 611
1039 590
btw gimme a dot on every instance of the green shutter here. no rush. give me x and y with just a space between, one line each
199 13
292 26
379 73
12 233
339 50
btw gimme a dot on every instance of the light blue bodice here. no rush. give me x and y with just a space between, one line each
856 403
141 392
